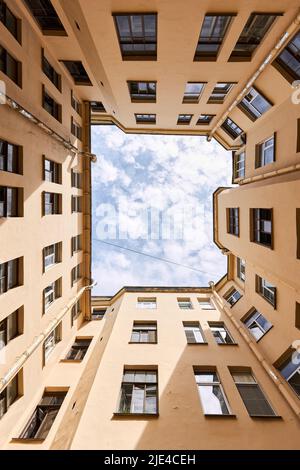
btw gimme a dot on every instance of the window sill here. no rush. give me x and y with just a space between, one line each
135 415
72 361
227 344
19 440
142 342
231 416
198 344
266 416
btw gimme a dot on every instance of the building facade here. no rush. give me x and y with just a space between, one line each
173 367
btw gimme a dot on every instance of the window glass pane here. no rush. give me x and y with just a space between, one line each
212 399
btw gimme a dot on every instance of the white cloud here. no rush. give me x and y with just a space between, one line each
167 173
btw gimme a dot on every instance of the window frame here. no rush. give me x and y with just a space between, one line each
221 325
254 221
7 60
249 109
250 319
239 165
241 268
184 121
149 120
246 55
260 289
191 97
233 133
215 383
139 327
251 384
135 371
56 110
192 326
217 91
261 148
209 56
231 294
287 72
152 55
233 221
17 34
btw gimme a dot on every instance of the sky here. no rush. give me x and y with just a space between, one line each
153 194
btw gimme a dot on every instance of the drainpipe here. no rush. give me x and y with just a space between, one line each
14 369
279 45
253 346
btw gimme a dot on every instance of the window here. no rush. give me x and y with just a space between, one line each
266 290
185 303
97 107
10 274
221 333
233 223
220 92
10 66
139 392
254 31
146 302
137 35
290 370
76 274
76 244
76 129
51 293
298 232
41 421
75 312
142 91
76 203
50 72
77 72
144 332
11 202
205 119
232 296
50 105
10 157
78 350
297 315
9 395
265 152
193 333
288 61
239 165
76 179
211 37
241 269
76 105
231 128
98 313
262 221
51 203
10 21
52 255
254 104
184 118
145 118
212 396
52 171
193 92
254 399
51 341
257 324
206 304
10 328
46 17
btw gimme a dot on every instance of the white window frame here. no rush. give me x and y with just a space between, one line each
144 303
